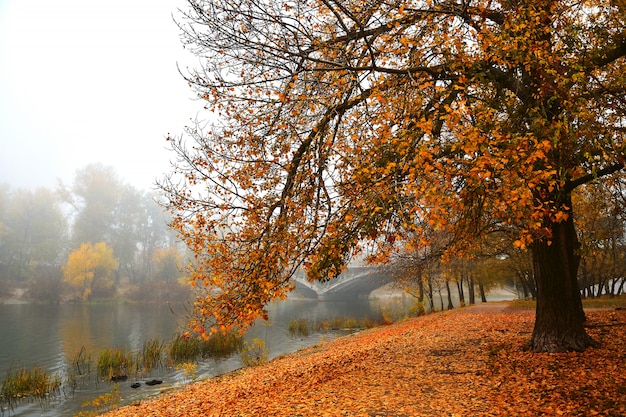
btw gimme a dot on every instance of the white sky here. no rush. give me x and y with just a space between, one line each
85 81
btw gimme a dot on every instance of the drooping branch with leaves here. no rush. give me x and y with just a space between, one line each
351 126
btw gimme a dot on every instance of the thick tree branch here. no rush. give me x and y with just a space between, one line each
571 185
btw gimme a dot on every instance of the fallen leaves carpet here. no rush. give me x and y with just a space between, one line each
457 363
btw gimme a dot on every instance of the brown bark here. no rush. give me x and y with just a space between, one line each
450 305
559 324
471 290
483 295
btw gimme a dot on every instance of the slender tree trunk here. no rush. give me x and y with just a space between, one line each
459 286
521 282
471 290
450 305
560 316
440 298
584 279
420 285
483 295
532 286
431 297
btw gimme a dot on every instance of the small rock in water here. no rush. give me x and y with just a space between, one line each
121 377
154 382
135 385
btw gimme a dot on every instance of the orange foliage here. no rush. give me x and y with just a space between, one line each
467 362
351 126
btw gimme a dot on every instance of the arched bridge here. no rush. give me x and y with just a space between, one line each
357 282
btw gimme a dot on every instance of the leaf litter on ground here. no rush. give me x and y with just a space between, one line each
464 362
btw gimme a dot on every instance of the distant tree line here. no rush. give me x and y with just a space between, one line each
93 238
52 244
601 226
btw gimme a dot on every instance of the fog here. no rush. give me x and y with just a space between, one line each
86 82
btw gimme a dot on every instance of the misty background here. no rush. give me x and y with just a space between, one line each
89 91
86 82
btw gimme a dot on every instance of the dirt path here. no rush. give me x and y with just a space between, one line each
487 308
464 362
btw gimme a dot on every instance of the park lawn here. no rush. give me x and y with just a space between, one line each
464 362
603 302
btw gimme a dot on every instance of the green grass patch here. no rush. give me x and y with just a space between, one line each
606 301
116 362
603 301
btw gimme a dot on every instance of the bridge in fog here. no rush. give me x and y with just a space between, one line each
354 282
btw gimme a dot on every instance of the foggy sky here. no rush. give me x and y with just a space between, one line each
90 81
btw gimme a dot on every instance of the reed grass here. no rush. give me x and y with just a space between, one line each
303 327
82 362
184 348
78 371
152 354
24 383
345 323
222 345
299 327
116 361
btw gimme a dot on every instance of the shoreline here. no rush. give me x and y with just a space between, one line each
466 361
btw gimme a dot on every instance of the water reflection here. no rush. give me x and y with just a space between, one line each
52 335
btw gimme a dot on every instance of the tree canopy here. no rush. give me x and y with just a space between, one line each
90 268
367 127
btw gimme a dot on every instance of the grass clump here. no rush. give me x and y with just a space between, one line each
254 353
23 383
303 327
345 323
115 362
220 345
299 327
185 348
151 355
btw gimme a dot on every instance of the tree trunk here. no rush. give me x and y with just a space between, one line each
560 316
521 282
483 295
420 285
450 306
459 286
471 290
431 296
441 298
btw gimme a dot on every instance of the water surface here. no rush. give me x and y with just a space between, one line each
51 336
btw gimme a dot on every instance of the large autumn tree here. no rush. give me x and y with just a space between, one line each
346 125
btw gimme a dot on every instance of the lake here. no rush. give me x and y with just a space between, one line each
51 336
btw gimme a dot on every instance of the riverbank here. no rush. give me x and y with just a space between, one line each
465 362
